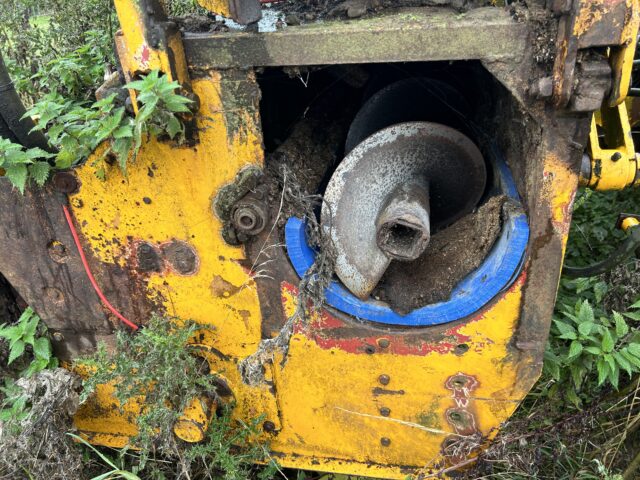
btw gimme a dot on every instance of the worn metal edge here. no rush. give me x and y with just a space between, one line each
406 35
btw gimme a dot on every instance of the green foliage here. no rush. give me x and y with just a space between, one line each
179 8
75 75
28 332
593 234
117 471
38 39
20 165
583 344
157 365
77 128
154 364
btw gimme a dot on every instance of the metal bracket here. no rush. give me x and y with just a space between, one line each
612 164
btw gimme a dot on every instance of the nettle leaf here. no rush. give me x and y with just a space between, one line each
42 348
566 331
585 328
39 171
575 349
173 127
16 351
177 104
621 326
633 360
607 342
603 370
599 290
623 362
125 131
632 315
634 348
585 314
17 175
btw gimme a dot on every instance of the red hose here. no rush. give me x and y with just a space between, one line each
104 300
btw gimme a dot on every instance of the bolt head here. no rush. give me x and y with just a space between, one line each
65 182
384 379
385 412
385 442
269 426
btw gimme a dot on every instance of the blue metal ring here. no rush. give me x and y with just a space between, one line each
497 272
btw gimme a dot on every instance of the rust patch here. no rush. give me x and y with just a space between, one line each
181 256
383 391
221 288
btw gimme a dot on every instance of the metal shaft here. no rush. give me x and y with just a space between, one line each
403 224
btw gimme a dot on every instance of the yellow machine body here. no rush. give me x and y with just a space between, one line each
347 397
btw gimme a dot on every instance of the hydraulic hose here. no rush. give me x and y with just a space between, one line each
624 251
12 126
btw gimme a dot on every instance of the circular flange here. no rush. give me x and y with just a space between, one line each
497 272
443 159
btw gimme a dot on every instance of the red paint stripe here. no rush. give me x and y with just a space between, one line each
103 299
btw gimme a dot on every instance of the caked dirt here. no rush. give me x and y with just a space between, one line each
451 255
297 11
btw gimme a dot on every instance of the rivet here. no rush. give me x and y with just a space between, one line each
65 182
385 412
370 349
384 379
269 426
385 442
383 342
58 252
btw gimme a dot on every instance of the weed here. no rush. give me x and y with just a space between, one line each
582 344
157 367
77 129
29 332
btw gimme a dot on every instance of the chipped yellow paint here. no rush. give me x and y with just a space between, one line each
615 166
138 57
621 57
589 14
629 222
168 195
219 7
323 404
330 408
559 185
193 424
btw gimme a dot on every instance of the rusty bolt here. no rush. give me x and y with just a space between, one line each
385 442
616 156
383 342
65 182
384 379
269 426
249 218
385 412
542 87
